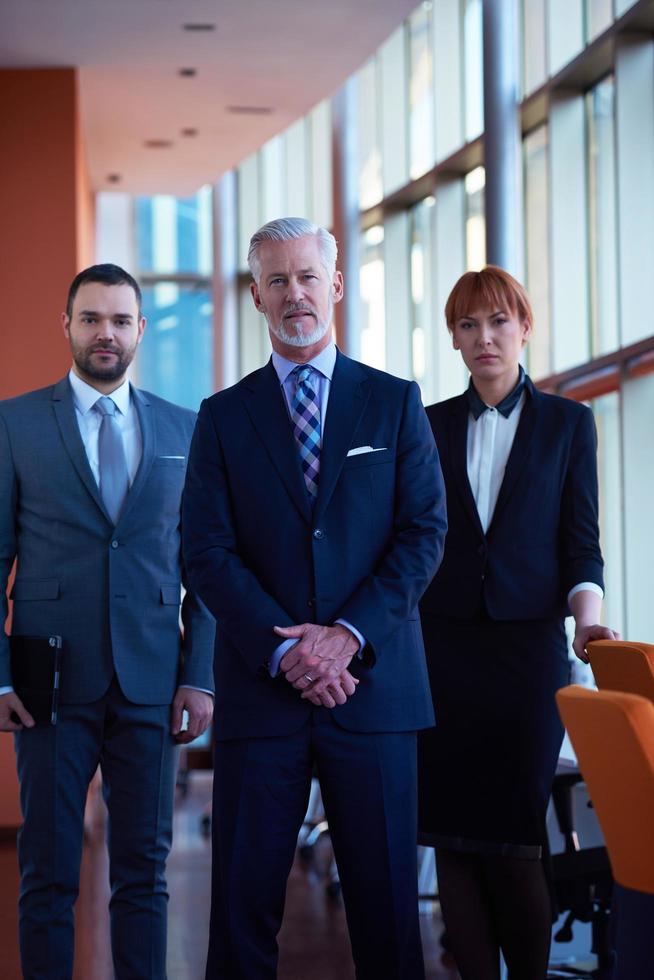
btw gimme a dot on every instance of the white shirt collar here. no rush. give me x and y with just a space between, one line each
324 362
85 395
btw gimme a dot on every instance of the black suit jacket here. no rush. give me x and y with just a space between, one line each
261 557
543 537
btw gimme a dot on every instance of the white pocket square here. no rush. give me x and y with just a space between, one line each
360 450
172 457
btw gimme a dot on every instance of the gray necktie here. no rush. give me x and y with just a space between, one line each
114 479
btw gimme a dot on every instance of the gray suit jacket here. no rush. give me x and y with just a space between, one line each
112 593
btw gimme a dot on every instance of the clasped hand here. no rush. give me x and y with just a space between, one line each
317 664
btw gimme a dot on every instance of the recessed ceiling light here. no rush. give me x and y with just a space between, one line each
113 178
158 144
198 27
250 110
187 72
189 131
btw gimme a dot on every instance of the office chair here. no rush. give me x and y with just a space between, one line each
619 665
613 735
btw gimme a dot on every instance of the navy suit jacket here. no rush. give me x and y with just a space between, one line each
543 538
112 593
259 556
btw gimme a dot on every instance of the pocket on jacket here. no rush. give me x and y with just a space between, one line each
171 594
35 589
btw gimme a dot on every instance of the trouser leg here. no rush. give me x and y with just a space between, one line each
261 792
368 784
55 766
138 769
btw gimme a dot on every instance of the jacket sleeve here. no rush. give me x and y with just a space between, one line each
581 558
390 594
229 589
8 504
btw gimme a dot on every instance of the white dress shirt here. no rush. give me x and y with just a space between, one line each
490 439
89 422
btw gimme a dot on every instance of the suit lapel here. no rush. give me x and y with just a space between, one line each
348 396
64 409
520 449
264 402
148 449
458 438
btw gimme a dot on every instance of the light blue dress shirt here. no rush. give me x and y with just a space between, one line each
323 364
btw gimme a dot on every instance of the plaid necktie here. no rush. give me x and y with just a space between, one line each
305 415
114 479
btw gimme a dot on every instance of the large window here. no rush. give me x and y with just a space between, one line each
537 264
174 254
421 92
422 298
474 68
602 217
371 189
475 220
176 355
373 313
607 418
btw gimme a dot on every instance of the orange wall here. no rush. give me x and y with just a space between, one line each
46 237
46 231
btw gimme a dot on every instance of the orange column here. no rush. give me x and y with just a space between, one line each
46 237
46 228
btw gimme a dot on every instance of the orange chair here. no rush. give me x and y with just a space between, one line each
619 665
613 735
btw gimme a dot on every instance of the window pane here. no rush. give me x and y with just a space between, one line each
533 44
598 17
609 455
474 68
475 220
370 173
421 92
175 358
602 217
422 302
173 234
373 317
537 262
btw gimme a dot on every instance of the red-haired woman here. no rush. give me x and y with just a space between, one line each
522 552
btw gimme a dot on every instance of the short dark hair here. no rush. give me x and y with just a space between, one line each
107 274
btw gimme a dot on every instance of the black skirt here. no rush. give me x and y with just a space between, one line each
486 769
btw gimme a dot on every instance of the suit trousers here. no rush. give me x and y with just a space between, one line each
261 792
137 755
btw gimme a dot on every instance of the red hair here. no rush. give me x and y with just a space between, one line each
491 288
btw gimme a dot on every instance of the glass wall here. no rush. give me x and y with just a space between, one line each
174 257
475 220
372 290
602 227
421 92
537 253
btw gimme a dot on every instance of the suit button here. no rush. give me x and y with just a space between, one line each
311 603
114 544
481 550
318 533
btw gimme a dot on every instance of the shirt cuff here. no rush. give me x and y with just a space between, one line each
356 634
588 587
278 653
192 687
6 690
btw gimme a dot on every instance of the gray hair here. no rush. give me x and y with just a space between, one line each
286 229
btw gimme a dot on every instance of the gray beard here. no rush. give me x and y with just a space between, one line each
297 338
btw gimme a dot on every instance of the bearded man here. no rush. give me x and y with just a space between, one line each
313 520
91 476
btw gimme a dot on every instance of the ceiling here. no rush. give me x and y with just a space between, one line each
272 60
